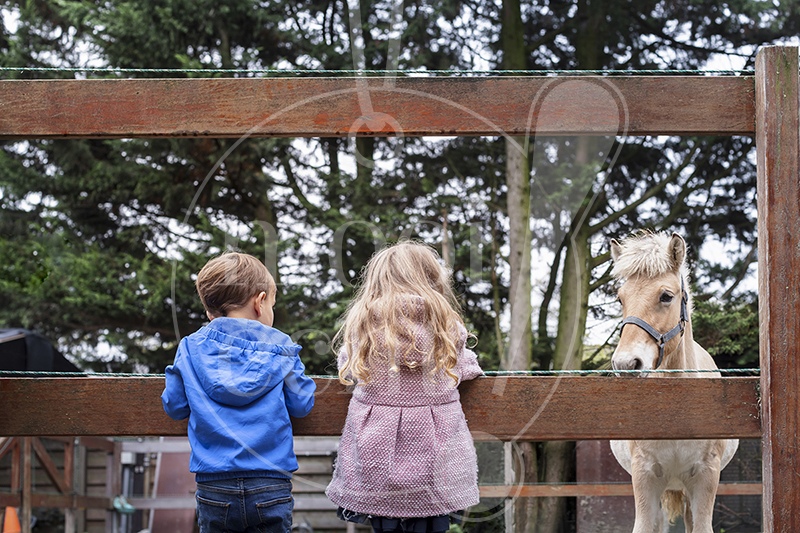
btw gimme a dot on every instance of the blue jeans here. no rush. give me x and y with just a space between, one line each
245 505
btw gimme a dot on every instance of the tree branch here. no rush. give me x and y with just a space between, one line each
602 280
551 287
686 191
301 197
748 260
613 217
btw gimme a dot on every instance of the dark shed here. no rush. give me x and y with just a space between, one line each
22 349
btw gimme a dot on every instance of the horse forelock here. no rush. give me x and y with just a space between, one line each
646 255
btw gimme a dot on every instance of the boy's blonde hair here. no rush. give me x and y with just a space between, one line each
378 316
230 280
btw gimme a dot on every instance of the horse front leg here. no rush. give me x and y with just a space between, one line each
662 523
701 495
646 494
648 485
701 490
688 519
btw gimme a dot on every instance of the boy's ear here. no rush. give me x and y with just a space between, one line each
209 316
257 301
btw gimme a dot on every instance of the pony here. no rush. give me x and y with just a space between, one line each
657 334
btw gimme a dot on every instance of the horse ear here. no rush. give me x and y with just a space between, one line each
616 250
677 250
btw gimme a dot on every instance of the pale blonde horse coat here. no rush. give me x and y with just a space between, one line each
682 474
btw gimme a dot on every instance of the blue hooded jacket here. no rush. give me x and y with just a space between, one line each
238 381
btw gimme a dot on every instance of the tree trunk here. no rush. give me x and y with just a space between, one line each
518 355
559 457
519 204
226 57
366 147
574 303
543 354
498 332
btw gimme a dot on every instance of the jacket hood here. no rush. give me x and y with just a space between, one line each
241 359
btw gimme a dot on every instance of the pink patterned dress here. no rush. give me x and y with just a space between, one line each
405 449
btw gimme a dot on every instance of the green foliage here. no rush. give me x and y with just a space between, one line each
104 236
729 331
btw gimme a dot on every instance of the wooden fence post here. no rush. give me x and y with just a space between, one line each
80 484
27 485
16 465
113 483
778 149
69 478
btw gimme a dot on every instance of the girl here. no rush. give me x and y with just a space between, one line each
406 458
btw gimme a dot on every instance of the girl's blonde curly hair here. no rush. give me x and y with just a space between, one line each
380 313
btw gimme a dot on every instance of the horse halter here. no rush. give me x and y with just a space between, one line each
659 338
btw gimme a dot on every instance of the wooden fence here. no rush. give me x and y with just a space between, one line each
765 105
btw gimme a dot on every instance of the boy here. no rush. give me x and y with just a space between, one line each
238 380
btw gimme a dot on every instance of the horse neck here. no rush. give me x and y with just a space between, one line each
684 356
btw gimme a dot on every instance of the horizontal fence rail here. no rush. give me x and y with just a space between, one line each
486 491
596 489
504 408
324 107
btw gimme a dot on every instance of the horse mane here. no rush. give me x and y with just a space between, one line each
645 254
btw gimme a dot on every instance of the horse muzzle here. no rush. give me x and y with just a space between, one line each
636 361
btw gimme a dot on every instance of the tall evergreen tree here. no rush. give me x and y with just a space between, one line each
143 214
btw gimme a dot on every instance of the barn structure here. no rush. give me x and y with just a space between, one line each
766 105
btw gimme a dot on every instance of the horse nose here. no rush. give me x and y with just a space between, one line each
630 363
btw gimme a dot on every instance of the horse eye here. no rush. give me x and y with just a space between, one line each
666 298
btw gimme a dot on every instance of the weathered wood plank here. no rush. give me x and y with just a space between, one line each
16 466
26 505
69 463
41 480
575 408
97 444
315 465
526 408
7 444
313 107
12 499
159 446
778 153
596 489
164 502
486 491
50 467
310 482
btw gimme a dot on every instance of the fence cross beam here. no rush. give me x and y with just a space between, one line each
497 408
